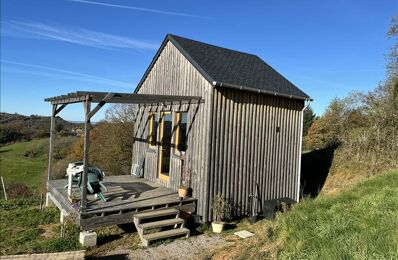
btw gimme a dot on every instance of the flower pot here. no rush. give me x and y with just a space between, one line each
253 219
217 227
182 192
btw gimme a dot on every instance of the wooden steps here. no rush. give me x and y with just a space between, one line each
156 222
161 223
156 213
165 234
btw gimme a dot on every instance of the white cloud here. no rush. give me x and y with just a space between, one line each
141 9
78 36
45 71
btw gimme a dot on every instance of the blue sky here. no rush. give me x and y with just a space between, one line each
51 47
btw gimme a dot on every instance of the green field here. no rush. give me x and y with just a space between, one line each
361 223
15 167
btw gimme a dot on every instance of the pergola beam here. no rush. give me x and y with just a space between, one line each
100 104
123 98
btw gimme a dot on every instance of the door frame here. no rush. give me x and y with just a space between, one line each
160 153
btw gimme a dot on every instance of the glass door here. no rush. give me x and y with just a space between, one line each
166 130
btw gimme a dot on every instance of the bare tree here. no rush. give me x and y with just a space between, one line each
121 113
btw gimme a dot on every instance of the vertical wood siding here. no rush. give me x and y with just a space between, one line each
233 145
247 151
173 74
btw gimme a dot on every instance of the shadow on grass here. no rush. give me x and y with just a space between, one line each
315 167
108 238
111 257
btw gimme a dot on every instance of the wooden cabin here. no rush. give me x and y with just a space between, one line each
216 120
244 140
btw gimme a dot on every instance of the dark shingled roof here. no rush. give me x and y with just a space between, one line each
229 68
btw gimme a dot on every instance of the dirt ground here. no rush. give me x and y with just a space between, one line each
196 247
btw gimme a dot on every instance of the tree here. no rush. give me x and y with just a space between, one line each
392 57
121 113
308 119
111 141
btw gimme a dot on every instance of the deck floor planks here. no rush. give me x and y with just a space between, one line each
124 192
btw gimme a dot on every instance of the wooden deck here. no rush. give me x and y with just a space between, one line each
126 196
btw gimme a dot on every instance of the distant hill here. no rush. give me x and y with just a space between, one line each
16 127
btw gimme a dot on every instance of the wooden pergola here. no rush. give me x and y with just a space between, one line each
101 98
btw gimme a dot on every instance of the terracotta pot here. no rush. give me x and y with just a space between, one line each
182 192
217 227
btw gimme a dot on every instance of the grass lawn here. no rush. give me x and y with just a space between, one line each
15 167
24 228
361 223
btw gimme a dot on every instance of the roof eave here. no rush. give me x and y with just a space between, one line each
228 85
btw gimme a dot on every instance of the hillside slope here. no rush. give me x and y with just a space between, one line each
16 127
361 223
16 167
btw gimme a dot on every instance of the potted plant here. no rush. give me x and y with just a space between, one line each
183 189
221 212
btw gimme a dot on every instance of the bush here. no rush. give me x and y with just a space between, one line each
59 169
63 146
37 148
18 190
365 125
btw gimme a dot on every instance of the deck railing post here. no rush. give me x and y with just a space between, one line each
51 148
87 108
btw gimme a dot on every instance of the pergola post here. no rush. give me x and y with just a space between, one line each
51 148
55 110
87 108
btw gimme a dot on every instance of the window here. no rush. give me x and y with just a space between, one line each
153 128
181 131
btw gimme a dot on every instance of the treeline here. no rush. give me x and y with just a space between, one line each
363 127
16 127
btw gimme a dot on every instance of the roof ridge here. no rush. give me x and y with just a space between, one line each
212 45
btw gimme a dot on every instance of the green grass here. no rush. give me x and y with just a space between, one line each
15 167
24 229
361 223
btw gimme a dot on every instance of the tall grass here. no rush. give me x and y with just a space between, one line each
361 223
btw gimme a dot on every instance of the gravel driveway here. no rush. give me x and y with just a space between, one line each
197 247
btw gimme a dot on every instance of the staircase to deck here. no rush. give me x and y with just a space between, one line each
159 224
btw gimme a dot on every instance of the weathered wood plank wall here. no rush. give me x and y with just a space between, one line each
233 141
255 141
173 74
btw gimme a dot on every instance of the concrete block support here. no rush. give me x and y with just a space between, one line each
88 238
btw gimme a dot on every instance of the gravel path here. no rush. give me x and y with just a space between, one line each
197 247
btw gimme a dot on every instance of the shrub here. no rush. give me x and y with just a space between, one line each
37 148
221 208
63 146
18 190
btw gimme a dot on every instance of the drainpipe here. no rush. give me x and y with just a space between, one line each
300 148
